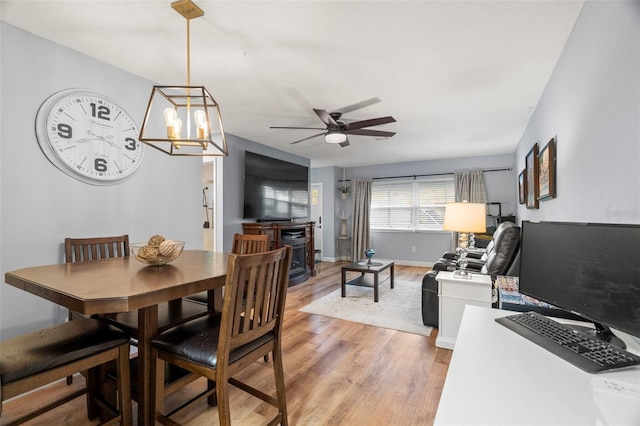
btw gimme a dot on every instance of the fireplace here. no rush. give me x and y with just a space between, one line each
298 256
297 235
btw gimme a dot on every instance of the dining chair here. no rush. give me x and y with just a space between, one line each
169 314
250 244
220 345
242 244
36 359
93 249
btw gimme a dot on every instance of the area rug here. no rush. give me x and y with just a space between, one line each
397 309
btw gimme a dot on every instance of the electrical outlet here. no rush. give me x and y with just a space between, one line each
413 249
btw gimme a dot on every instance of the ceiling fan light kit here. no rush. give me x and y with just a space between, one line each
183 120
335 137
337 132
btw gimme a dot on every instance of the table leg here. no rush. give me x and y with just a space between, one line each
147 329
392 283
375 286
343 283
214 299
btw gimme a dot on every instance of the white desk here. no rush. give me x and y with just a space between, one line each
498 377
453 295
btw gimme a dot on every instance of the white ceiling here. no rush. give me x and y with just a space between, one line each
461 78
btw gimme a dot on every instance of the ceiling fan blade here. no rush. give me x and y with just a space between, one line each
369 132
359 105
325 117
310 137
310 128
371 122
345 143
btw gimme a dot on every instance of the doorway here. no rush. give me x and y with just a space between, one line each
208 199
316 214
212 209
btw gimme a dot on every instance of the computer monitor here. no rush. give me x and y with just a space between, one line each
590 269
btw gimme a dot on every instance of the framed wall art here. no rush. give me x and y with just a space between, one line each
531 178
547 171
522 191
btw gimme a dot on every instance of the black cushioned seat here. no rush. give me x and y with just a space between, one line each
36 359
197 341
43 350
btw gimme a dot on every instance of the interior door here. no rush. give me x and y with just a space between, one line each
316 214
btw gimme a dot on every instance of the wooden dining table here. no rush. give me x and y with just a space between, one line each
126 285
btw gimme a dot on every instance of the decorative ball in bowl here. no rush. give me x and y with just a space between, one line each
157 253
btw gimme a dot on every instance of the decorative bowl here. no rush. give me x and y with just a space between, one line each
157 255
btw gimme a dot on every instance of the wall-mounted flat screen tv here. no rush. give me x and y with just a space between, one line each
274 190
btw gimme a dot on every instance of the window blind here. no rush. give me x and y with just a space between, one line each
410 204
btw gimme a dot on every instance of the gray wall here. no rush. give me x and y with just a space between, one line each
40 205
592 105
430 245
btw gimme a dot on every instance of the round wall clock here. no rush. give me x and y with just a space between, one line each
89 136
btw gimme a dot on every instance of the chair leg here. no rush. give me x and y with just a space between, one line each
222 394
278 372
93 386
124 386
109 388
158 389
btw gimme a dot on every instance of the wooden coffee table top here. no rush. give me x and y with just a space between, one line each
363 266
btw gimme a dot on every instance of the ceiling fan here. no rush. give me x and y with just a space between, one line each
337 131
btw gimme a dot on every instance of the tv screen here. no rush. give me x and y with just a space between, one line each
590 269
274 189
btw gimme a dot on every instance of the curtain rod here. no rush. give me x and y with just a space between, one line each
430 174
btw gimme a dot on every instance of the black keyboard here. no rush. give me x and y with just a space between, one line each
580 349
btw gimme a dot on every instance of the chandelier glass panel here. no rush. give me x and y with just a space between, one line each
184 120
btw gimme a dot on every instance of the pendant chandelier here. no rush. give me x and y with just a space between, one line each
184 120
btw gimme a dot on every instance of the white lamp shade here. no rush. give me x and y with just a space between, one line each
335 137
465 217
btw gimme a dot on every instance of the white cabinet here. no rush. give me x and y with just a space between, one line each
453 295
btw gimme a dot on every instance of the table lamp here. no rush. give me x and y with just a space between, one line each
464 218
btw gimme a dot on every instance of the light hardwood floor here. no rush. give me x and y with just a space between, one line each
337 372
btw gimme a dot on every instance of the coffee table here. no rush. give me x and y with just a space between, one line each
364 268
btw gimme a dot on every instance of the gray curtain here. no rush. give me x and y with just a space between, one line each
470 186
360 223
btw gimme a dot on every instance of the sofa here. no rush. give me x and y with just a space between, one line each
500 258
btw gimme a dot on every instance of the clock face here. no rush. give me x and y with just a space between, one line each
88 136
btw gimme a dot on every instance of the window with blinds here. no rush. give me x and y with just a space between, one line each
410 205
